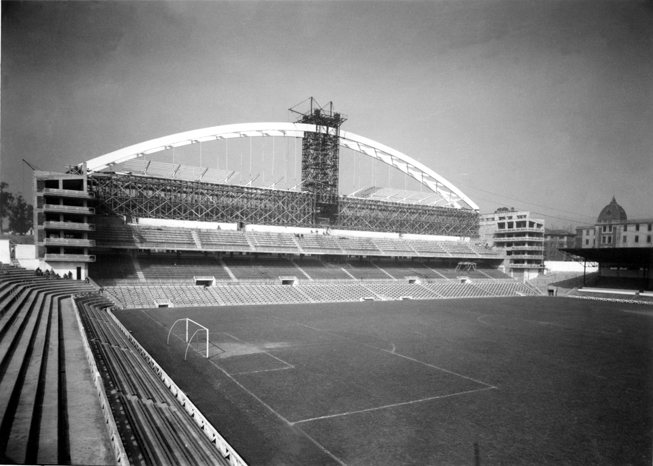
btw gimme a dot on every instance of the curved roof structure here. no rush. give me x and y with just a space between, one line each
613 212
451 195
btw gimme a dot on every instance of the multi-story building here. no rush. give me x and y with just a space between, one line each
62 220
622 247
614 230
520 236
554 240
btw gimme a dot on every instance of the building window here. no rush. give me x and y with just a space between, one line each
624 240
609 239
649 227
625 227
648 239
636 239
637 227
587 242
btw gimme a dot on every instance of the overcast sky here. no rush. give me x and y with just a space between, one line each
542 105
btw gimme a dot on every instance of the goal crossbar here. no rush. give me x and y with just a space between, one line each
186 339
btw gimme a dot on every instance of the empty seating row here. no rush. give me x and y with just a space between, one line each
401 270
246 268
263 241
456 248
340 292
33 400
494 273
155 427
365 270
151 237
166 238
113 235
318 270
181 268
505 288
318 243
393 246
355 245
456 290
401 290
113 267
427 248
260 294
109 270
135 297
223 240
307 291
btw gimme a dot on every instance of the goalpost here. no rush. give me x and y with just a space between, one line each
190 340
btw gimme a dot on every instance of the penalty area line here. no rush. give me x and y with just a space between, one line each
263 370
404 403
440 369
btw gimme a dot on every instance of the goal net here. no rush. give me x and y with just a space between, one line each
195 335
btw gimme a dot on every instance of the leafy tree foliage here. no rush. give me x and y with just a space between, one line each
6 199
20 215
504 209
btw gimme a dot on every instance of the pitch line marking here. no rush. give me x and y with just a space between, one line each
393 352
553 324
290 366
263 370
440 369
404 403
270 408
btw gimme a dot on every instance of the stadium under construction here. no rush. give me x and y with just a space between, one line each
166 355
80 213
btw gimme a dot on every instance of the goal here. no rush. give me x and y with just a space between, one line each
198 330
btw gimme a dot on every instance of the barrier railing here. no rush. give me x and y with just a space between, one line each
69 226
114 435
205 426
78 242
68 209
69 193
612 300
69 258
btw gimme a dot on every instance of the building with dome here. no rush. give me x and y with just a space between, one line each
614 230
622 247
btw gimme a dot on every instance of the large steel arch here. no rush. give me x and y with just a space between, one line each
450 194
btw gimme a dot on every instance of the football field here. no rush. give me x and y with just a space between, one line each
460 381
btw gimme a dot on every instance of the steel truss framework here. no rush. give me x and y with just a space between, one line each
373 215
321 157
145 197
186 200
450 195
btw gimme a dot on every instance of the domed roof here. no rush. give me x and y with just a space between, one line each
612 212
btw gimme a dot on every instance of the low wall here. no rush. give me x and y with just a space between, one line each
567 266
5 251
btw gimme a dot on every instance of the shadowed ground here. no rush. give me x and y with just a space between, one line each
468 381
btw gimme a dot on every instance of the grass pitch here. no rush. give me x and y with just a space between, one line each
468 381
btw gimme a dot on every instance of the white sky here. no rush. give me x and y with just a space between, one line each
544 105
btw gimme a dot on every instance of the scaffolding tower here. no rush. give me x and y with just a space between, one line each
320 157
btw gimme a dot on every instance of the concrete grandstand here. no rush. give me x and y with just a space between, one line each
149 234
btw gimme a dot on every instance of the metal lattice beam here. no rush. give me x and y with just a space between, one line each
450 194
372 215
144 197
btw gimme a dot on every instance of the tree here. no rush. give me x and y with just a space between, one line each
6 199
20 215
